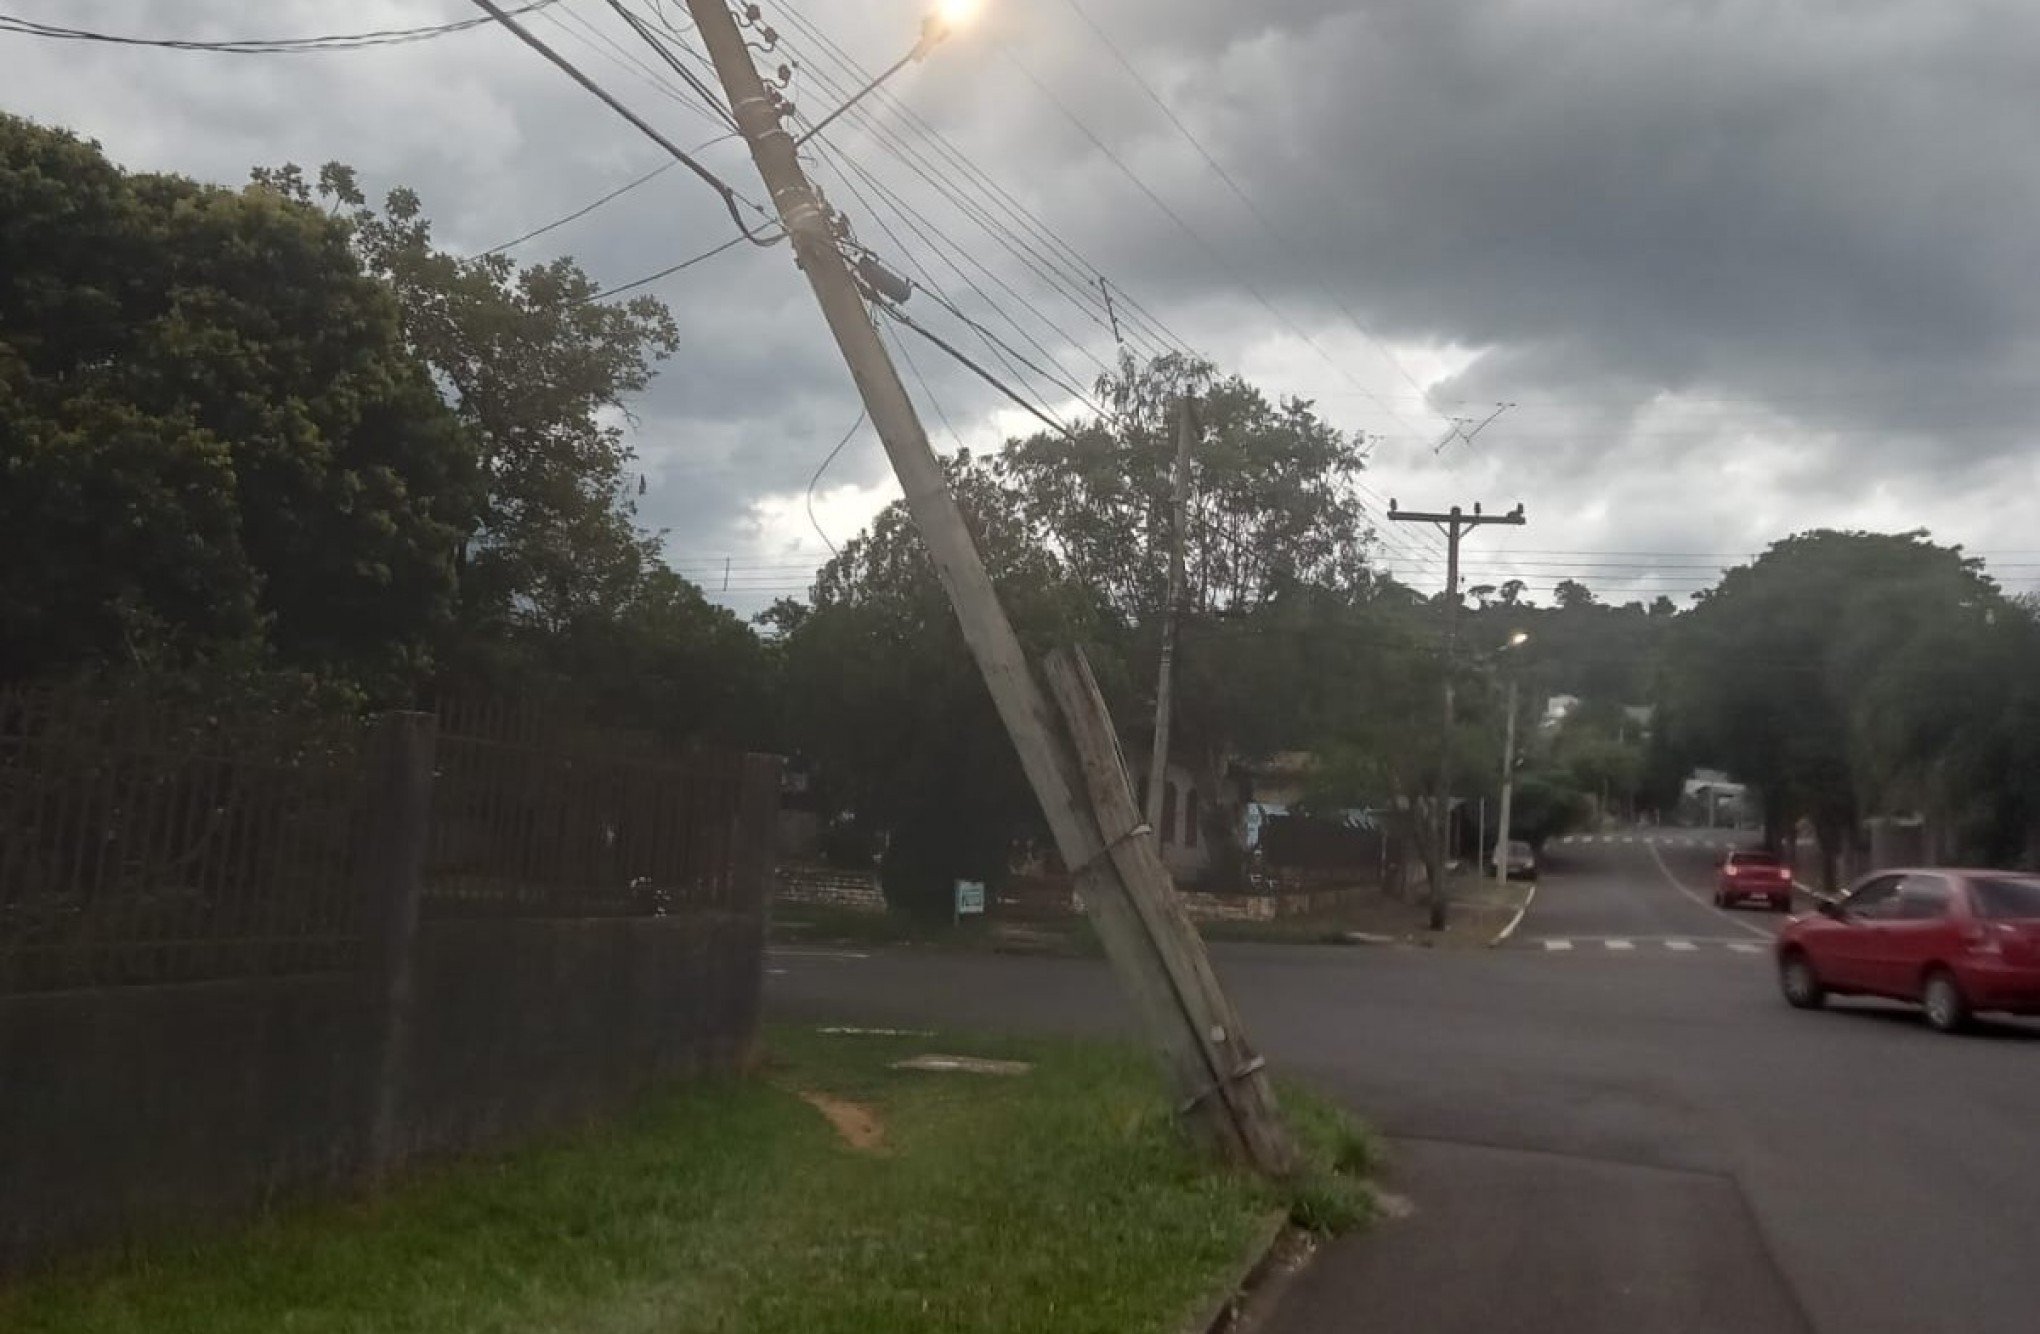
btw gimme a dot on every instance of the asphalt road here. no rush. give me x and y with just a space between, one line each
1610 1124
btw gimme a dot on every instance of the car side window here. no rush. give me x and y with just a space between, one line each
1923 898
1875 900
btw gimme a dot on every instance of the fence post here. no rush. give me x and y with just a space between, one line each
397 773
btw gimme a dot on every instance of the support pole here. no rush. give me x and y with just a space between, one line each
1165 671
1223 1088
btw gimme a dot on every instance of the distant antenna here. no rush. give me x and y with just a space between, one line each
1459 428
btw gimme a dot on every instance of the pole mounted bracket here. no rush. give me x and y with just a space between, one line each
1112 846
1247 1071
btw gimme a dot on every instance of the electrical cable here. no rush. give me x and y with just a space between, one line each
994 381
816 481
716 183
1241 194
666 272
583 211
260 46
687 76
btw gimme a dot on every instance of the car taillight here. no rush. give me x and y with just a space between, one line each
1784 873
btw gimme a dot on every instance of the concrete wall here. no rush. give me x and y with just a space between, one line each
134 1110
830 887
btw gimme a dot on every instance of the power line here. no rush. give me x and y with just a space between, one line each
1238 192
1197 237
583 211
816 481
260 46
960 171
714 182
666 272
945 188
687 76
964 358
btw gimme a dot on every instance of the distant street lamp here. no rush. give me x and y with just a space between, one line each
935 29
1516 640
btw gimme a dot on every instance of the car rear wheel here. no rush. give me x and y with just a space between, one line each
1800 983
1947 1009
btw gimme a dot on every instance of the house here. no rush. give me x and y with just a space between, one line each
1557 709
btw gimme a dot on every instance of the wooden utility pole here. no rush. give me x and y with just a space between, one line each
1172 610
1077 774
1454 523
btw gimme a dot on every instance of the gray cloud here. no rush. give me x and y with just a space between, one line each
1743 266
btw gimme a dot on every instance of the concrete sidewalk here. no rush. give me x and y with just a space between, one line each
1503 1241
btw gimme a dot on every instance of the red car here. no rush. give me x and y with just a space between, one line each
1754 875
1953 942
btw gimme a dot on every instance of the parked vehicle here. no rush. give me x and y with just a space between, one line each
1518 861
1956 943
1754 875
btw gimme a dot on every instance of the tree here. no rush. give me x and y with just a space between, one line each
213 438
538 371
882 696
1848 672
1276 538
1573 595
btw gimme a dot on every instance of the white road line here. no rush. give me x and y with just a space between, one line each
1682 946
1675 883
1745 947
1552 943
1619 944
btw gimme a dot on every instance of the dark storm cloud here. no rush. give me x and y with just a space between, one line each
1811 225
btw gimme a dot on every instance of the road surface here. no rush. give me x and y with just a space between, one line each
1610 1124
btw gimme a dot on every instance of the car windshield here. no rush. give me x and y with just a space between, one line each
1519 849
1752 859
2008 898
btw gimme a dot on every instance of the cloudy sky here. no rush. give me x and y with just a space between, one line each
1741 267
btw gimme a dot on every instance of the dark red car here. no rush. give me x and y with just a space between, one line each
1754 875
1955 943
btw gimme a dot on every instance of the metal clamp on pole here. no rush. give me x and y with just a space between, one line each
1252 1067
1113 846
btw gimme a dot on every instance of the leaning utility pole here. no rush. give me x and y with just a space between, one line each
1165 670
1076 771
1454 523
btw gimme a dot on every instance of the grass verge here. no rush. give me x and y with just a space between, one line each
1060 1200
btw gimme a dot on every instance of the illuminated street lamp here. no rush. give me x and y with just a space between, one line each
947 18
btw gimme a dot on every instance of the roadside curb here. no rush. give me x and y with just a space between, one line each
1517 920
1281 1253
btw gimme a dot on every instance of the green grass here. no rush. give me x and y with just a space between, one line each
1062 1200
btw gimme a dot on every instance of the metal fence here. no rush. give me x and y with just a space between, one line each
144 840
533 817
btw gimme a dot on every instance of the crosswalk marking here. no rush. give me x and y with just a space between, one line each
1638 945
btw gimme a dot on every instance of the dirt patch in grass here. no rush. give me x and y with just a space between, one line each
856 1124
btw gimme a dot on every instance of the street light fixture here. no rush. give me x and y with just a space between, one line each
935 29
